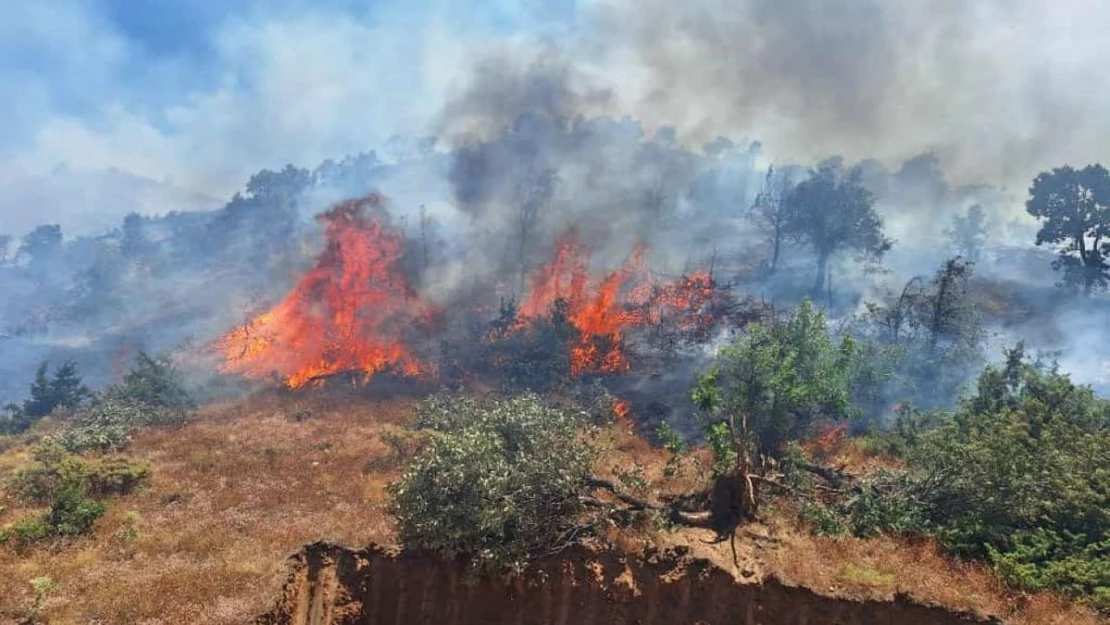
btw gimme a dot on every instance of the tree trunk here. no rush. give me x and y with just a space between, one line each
775 252
822 272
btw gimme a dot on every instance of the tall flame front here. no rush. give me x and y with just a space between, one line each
348 314
602 311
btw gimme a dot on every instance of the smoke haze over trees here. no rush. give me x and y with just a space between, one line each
646 123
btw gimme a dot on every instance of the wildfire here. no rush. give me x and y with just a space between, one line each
827 440
602 311
347 314
622 409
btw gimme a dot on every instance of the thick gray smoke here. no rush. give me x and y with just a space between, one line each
654 124
997 89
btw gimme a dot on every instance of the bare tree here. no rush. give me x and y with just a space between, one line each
534 191
769 212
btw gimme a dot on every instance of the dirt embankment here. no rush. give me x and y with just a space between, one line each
333 585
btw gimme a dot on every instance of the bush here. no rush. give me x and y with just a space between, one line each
54 470
71 513
785 379
500 489
106 426
117 476
1020 476
150 394
445 412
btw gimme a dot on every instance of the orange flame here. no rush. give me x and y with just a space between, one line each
599 312
347 314
622 408
827 440
603 311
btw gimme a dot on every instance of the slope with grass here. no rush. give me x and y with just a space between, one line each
236 490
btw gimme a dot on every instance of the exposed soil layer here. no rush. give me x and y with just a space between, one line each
333 585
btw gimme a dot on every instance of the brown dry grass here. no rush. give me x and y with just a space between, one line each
233 494
246 484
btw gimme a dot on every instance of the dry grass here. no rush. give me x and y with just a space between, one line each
245 485
233 494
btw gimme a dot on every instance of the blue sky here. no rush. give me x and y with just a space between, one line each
204 92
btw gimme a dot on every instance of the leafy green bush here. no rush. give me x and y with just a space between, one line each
783 378
150 394
501 488
445 412
117 476
1020 476
105 426
72 513
54 470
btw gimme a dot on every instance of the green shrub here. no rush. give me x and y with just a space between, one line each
445 412
54 470
72 513
1020 476
500 489
785 379
117 476
153 382
150 394
106 426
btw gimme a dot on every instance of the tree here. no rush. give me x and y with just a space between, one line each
936 331
132 237
770 212
533 192
1020 476
1074 208
41 243
781 380
968 233
64 390
833 212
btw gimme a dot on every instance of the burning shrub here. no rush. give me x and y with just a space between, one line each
500 489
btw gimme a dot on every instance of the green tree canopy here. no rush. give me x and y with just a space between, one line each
1020 475
783 379
1074 208
832 211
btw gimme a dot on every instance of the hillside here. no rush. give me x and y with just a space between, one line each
237 490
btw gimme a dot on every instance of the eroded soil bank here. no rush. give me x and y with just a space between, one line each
332 585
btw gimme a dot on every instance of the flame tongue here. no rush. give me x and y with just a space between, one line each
603 311
348 313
